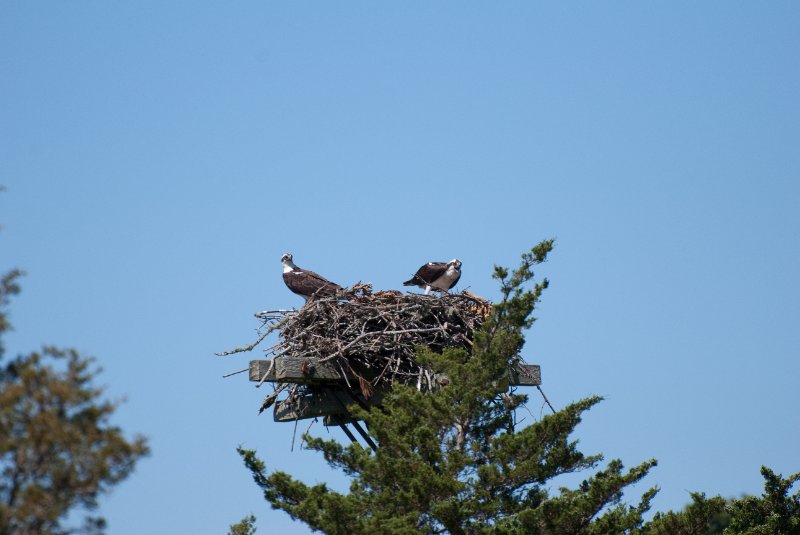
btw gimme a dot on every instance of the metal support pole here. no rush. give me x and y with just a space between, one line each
364 435
348 433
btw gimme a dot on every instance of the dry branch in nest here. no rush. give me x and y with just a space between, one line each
374 336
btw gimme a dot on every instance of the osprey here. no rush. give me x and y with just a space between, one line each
436 275
304 282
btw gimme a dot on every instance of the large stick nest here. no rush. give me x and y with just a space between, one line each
380 331
374 336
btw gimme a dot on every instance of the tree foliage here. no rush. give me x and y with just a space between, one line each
457 460
775 512
58 451
246 526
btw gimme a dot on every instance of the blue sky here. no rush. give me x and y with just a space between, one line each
159 158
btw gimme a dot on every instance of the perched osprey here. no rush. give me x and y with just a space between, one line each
304 282
436 275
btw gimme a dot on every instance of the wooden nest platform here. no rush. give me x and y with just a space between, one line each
350 348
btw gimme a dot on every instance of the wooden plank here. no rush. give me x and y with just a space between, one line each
324 403
525 375
310 406
306 371
260 367
296 370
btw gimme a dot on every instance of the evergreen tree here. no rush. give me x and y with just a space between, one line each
58 451
703 516
776 512
456 460
246 526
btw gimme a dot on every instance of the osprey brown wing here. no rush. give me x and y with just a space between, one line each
427 274
310 284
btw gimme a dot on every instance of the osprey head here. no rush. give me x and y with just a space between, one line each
287 257
456 263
